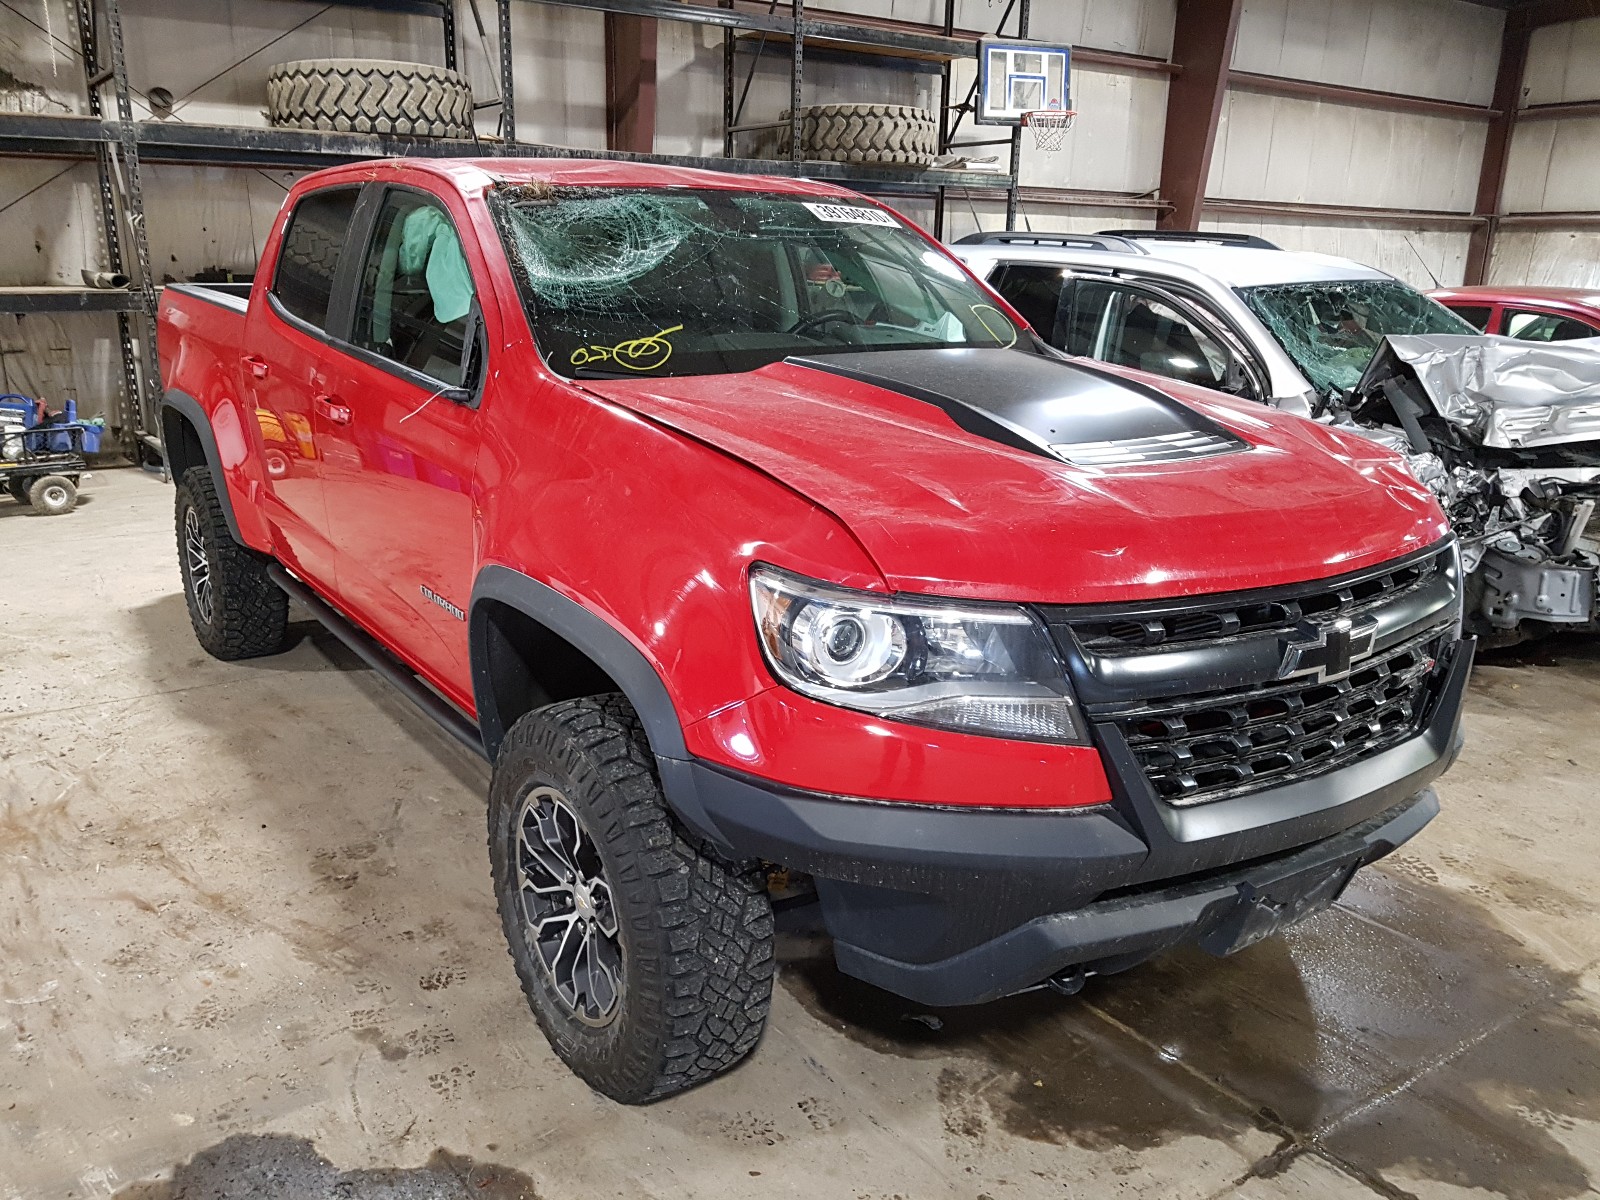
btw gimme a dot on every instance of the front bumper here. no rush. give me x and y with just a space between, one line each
959 906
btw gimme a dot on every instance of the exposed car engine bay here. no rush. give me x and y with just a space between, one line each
1507 435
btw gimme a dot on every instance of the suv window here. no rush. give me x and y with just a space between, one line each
1138 329
416 289
1118 323
1533 326
317 231
1035 292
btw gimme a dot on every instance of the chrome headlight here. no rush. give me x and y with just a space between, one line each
977 668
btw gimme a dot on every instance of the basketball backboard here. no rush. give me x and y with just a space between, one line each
1017 77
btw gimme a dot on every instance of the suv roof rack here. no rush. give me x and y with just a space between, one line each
1072 241
1249 240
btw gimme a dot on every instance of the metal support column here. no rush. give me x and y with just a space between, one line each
797 71
127 420
727 85
1514 44
1202 44
944 118
133 211
1014 192
508 95
447 13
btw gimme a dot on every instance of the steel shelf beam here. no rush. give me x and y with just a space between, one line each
226 145
49 299
929 45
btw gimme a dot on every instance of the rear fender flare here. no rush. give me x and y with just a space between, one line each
227 462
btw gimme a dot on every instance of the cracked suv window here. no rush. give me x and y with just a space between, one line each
416 290
629 282
1332 330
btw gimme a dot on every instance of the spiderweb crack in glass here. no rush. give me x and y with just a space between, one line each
1331 330
708 281
581 249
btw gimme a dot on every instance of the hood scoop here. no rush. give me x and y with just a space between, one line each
1164 447
1066 411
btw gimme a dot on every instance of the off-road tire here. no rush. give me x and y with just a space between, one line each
248 614
867 134
695 930
17 485
369 95
52 495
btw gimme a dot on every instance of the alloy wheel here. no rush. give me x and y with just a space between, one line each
569 918
194 549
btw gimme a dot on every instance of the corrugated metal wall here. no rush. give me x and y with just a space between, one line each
1554 164
1295 150
213 56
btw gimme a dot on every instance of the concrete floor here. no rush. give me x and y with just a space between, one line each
248 949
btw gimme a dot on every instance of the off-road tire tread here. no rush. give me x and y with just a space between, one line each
249 613
704 973
37 487
865 134
361 95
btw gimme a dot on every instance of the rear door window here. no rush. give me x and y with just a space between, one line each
1531 326
309 260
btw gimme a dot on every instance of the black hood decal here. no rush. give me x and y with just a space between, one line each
1040 404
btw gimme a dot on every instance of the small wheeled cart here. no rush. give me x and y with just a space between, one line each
43 458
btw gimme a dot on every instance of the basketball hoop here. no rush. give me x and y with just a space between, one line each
1049 127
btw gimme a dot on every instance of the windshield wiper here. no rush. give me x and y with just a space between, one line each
597 373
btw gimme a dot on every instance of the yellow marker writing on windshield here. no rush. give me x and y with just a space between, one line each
636 354
1009 324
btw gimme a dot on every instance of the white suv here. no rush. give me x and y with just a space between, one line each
1505 438
1223 310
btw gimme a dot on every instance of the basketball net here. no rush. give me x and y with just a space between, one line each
1049 127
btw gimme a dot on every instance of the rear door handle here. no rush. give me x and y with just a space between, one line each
338 414
258 366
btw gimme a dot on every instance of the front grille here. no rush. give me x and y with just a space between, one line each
1210 746
1278 613
1163 447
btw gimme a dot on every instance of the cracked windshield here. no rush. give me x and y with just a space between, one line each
1331 330
652 282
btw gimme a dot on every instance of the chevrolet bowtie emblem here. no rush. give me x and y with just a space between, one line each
1327 651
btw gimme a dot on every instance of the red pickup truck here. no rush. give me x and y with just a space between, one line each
750 538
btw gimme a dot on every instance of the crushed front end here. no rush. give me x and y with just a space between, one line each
1507 436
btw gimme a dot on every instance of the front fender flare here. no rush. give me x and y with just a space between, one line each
613 652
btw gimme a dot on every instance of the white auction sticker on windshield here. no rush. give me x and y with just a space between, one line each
845 214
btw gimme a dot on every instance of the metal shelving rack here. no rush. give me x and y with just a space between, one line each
119 145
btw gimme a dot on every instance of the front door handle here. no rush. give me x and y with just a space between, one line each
258 366
327 406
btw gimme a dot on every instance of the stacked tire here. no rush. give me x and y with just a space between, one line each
365 95
887 135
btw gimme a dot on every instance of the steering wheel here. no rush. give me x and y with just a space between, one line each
825 317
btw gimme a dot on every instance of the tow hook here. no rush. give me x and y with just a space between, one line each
1067 983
